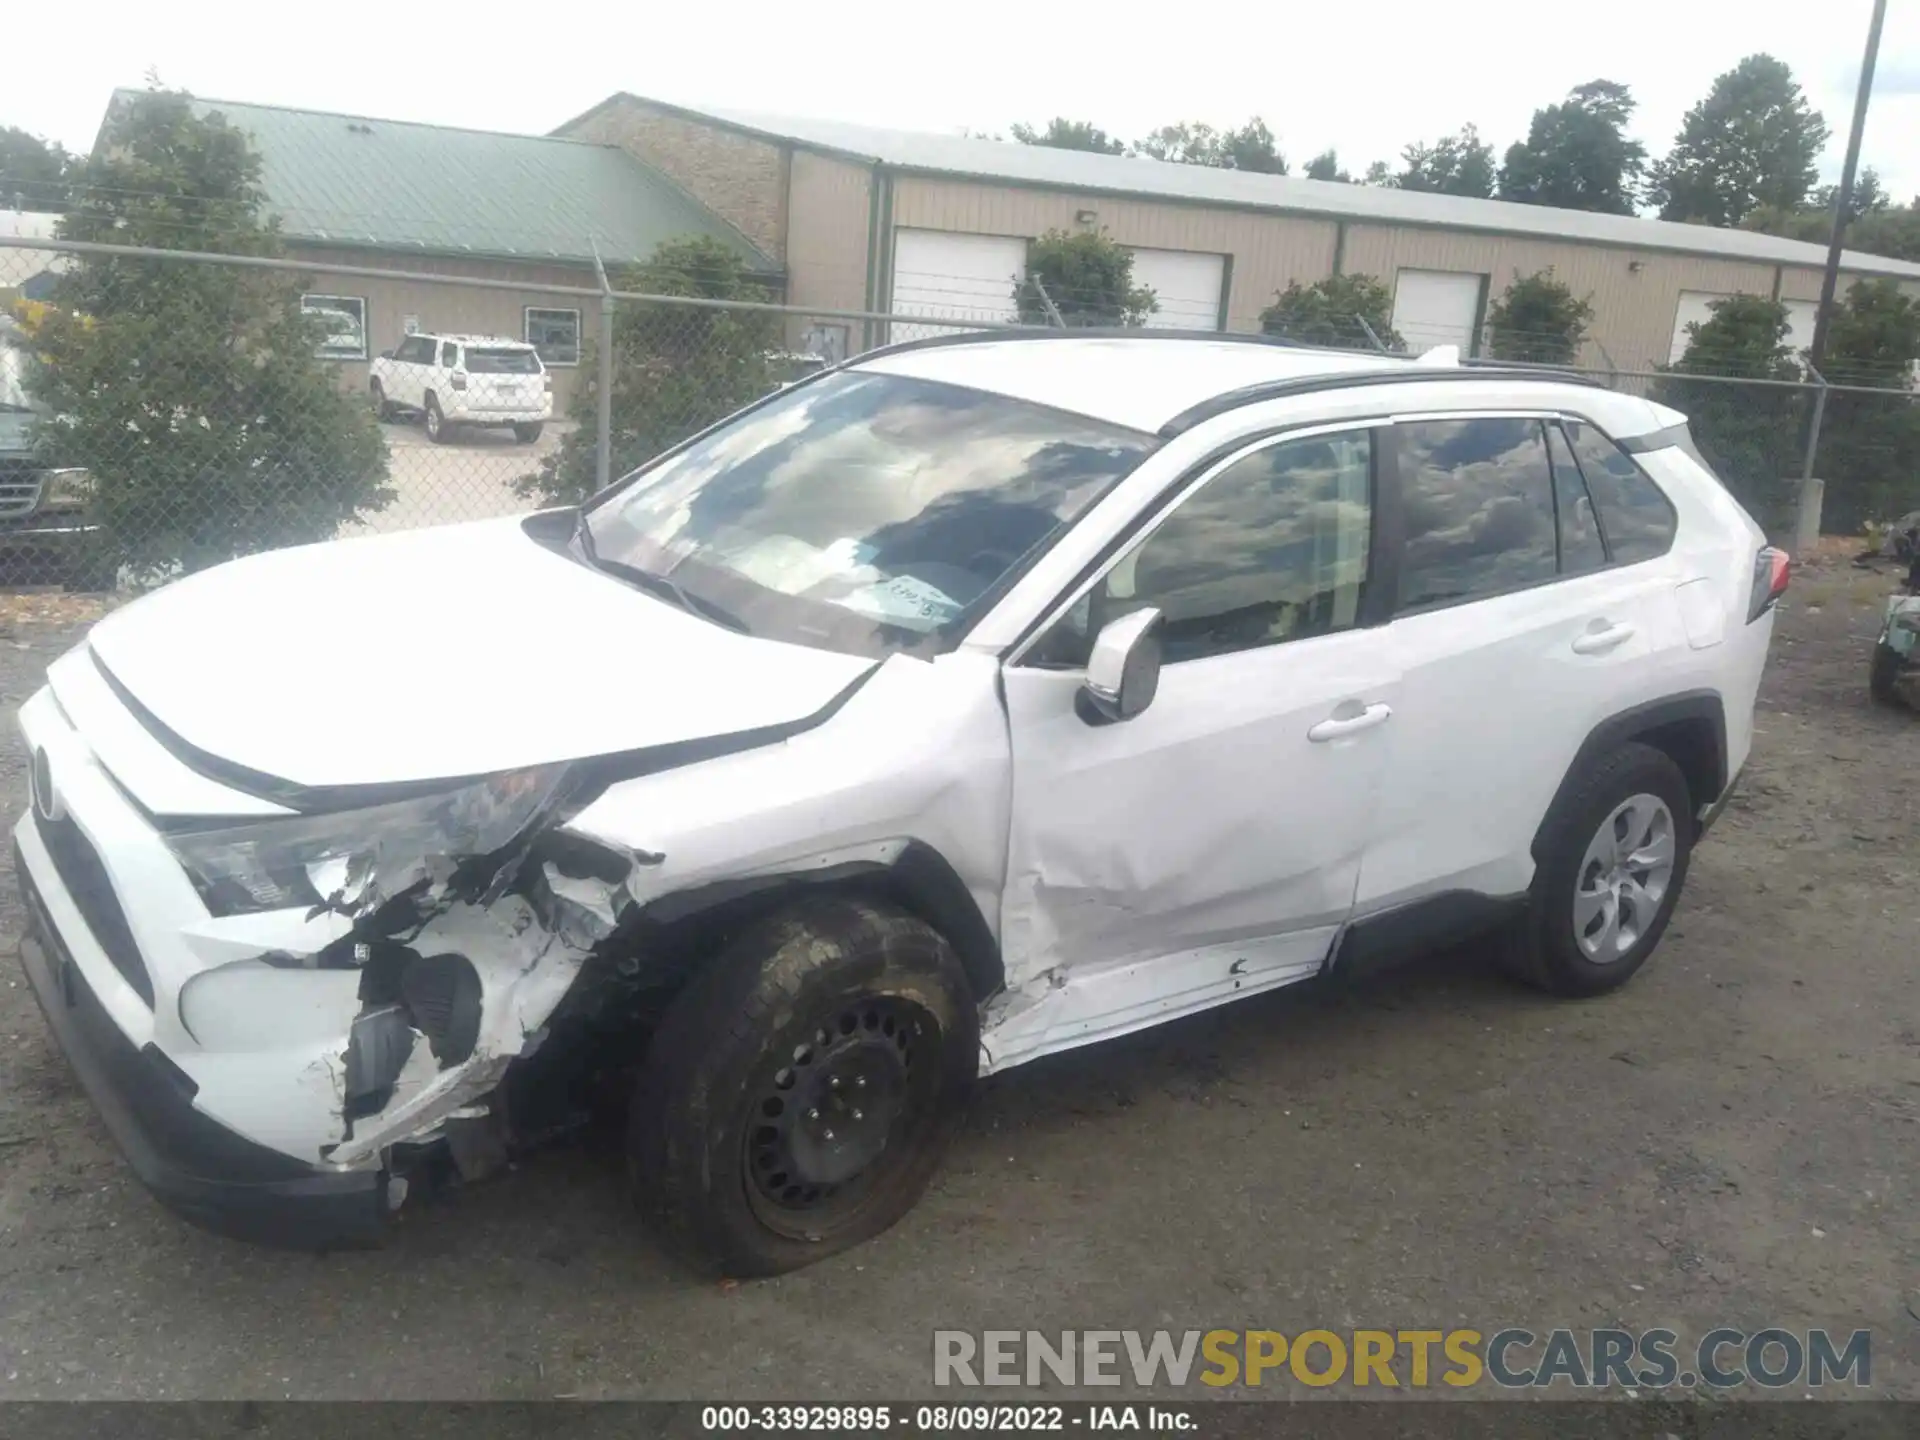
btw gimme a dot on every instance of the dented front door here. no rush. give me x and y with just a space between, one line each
1211 844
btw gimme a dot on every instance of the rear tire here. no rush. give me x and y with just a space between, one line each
1883 676
1613 860
437 426
527 434
802 1087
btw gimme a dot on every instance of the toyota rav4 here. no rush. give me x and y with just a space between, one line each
962 704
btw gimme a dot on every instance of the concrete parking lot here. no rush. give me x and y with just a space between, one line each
470 478
1729 1141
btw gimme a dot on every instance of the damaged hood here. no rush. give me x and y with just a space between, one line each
441 653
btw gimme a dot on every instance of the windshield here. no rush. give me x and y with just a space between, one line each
862 512
503 362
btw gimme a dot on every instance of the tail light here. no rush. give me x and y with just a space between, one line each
1771 570
459 380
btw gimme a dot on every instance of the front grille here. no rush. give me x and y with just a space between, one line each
78 865
19 487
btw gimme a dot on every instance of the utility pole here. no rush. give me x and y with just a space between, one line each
1843 197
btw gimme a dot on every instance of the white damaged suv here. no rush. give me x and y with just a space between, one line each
962 704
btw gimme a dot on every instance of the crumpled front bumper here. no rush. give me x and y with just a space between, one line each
198 1167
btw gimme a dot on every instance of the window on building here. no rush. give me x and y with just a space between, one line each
1273 548
344 321
555 334
1479 504
1635 515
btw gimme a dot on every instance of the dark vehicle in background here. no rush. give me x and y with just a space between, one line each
48 532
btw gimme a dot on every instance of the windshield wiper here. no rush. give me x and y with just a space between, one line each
660 585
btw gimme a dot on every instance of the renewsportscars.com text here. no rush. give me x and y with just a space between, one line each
1510 1358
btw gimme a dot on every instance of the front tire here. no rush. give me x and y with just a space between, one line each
436 422
377 397
801 1089
527 434
1613 860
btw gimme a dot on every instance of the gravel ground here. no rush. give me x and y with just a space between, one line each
1729 1141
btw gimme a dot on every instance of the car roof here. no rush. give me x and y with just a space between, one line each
1140 381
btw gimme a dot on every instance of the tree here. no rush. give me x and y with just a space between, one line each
1870 444
1381 174
1577 154
1331 313
676 368
1089 278
1326 166
1251 147
1869 196
1538 321
1063 134
1891 230
191 391
32 172
1750 433
1453 165
1753 141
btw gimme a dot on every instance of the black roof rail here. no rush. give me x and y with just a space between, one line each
1353 379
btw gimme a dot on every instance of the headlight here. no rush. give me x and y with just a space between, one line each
358 857
67 487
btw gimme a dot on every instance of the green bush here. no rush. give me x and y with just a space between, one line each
1087 276
192 391
676 368
1330 312
1537 322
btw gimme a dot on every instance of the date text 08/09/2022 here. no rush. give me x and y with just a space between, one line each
943 1419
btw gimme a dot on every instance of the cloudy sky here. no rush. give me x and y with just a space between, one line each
1365 76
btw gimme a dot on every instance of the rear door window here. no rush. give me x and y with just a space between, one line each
1478 496
449 355
1635 514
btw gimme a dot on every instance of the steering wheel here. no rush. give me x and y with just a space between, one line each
991 564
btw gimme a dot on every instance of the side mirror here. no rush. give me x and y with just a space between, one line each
1124 670
386 354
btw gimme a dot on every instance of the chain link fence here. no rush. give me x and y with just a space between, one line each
162 410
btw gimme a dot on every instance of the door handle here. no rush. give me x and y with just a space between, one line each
1338 727
1598 642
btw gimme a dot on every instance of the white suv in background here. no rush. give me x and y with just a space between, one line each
962 704
463 380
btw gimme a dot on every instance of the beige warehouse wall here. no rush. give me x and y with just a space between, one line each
1268 250
451 307
1634 308
739 178
828 212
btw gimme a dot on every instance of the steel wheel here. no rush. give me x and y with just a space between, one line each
828 1121
1623 878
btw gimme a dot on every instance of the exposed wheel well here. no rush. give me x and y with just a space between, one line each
1696 746
671 937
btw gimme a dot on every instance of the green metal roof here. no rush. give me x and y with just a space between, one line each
430 189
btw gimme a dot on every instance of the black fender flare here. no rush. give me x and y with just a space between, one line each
1700 712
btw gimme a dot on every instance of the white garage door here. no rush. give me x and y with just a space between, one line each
1437 307
1696 309
1186 287
957 277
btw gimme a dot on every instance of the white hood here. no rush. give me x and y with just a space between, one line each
438 653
